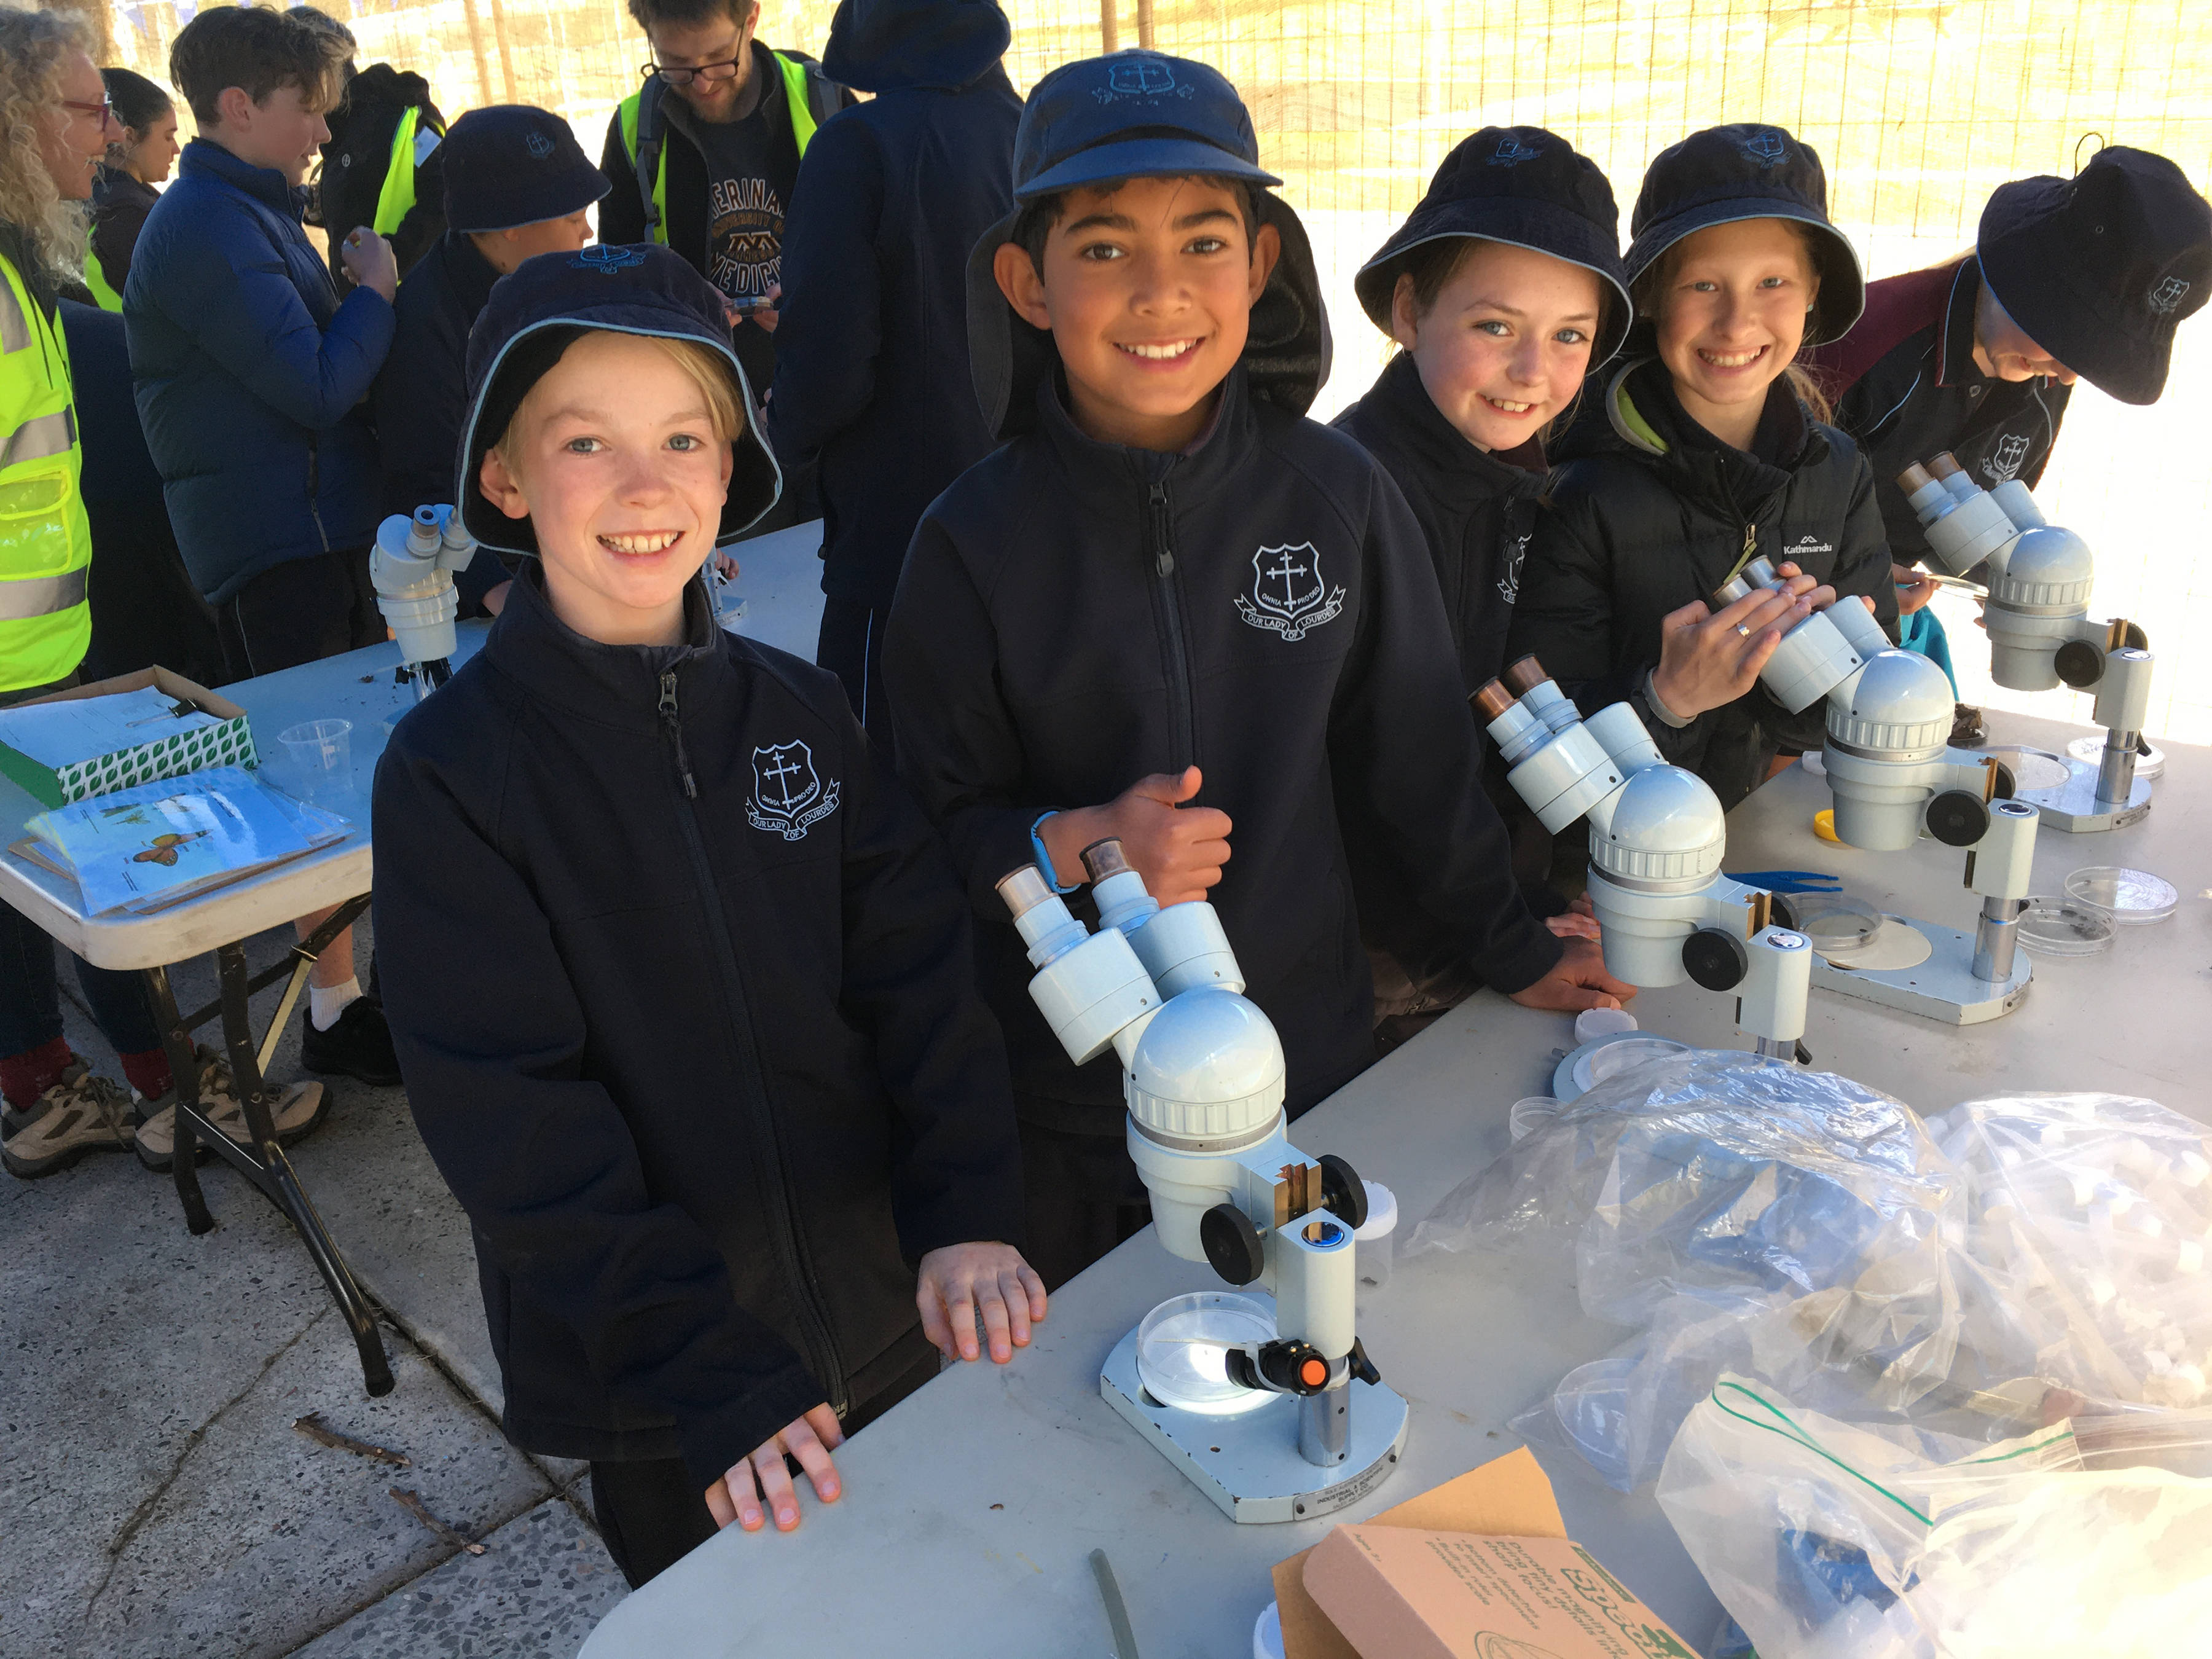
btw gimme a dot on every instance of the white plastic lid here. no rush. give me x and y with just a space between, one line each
1267 1633
1382 1214
1593 1023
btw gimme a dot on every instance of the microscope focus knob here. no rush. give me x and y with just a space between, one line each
1343 1194
1232 1244
1716 959
2079 663
1957 819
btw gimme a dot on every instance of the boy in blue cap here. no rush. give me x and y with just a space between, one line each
517 184
1172 609
738 1110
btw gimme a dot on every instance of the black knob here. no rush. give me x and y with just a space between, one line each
2008 785
1957 818
1233 1244
2079 663
1717 960
2133 637
1343 1194
1293 1366
1784 914
1362 1366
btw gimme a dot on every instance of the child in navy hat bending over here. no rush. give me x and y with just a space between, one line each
737 1109
1174 612
1501 290
1708 448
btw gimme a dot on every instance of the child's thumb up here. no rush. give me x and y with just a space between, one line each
1169 788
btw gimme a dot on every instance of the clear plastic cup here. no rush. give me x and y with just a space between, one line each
320 754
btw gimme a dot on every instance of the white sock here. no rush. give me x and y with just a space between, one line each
326 1002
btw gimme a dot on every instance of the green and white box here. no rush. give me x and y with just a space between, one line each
226 740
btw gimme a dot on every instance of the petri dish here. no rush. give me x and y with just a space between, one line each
1182 1348
1584 1068
2090 751
1529 1113
2132 896
2053 925
1835 921
2032 768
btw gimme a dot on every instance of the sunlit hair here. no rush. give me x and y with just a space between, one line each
704 367
34 49
259 50
1659 276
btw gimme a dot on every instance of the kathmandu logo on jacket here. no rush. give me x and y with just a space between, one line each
2166 295
1138 77
1805 548
2006 460
1767 145
789 797
1288 594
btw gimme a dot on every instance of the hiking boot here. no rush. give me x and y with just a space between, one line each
1967 731
81 1114
297 1112
358 1045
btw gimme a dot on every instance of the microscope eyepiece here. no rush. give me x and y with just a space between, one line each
1103 859
1023 889
1525 676
1945 466
1492 699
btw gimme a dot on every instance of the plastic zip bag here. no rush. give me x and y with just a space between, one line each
1824 1539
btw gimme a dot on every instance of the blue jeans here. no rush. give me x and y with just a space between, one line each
31 998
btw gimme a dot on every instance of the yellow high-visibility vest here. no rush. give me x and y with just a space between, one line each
411 144
45 541
96 279
794 71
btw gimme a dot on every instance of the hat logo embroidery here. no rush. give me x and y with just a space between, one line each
1138 77
1766 145
607 259
1511 152
1289 595
789 797
2166 295
2006 460
538 145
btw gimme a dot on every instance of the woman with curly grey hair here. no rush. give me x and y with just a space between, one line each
54 125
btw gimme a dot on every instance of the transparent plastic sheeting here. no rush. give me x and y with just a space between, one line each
1827 1541
1804 1230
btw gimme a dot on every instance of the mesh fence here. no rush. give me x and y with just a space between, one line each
1919 108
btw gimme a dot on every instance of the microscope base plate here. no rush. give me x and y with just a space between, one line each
1250 1464
1943 988
2073 806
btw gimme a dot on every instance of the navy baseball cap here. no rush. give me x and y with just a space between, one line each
2100 268
1133 115
1523 187
1725 175
510 164
539 310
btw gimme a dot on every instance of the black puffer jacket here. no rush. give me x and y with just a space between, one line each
1648 512
359 156
707 1072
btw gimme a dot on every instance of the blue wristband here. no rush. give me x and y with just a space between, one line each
1045 859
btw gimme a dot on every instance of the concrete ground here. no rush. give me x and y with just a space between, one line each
158 1501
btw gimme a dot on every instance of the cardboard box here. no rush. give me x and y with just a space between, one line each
228 743
1479 1568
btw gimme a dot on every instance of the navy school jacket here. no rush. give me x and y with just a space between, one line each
707 1073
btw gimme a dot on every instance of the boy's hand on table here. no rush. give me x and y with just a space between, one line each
958 1280
1178 850
1572 924
1577 981
739 1495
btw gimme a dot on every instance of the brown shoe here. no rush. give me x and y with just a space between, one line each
81 1114
297 1112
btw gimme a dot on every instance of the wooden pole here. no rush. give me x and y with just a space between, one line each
1145 24
505 58
476 45
1109 27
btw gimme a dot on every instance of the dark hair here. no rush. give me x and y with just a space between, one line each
646 13
1433 265
256 49
1033 225
315 18
138 102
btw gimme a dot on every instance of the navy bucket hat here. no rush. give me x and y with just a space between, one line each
2100 268
543 308
511 164
1525 187
1141 115
1725 175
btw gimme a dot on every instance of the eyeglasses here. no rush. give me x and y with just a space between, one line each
676 77
103 109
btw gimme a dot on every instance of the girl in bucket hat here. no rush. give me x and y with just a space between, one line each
734 1077
1503 289
1704 449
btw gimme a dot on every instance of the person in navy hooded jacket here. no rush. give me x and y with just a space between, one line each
736 1108
871 356
1172 610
